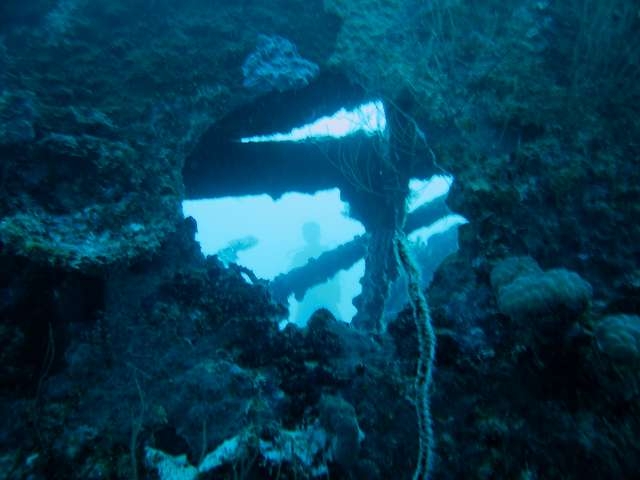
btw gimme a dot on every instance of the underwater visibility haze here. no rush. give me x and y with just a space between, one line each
320 239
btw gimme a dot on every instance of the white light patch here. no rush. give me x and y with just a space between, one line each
368 118
275 224
423 234
279 246
425 191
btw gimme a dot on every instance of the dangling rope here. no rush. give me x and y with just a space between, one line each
427 350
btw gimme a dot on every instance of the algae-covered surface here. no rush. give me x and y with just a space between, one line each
127 353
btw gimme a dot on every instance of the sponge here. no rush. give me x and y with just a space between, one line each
618 337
